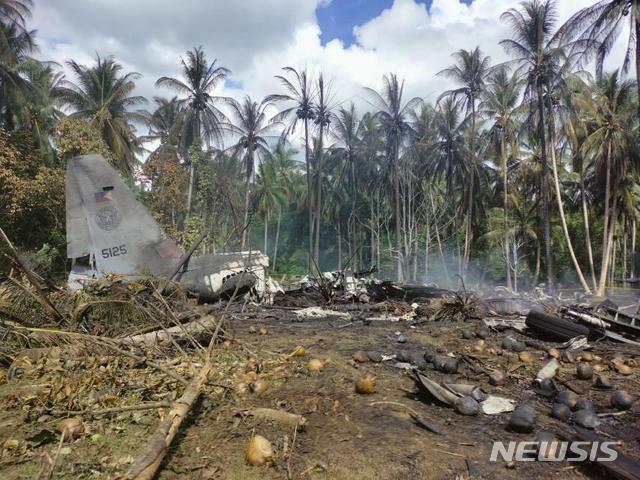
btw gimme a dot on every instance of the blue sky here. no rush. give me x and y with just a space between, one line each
337 19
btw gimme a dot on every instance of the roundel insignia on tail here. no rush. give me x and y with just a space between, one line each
108 218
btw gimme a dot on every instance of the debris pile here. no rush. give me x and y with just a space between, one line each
428 378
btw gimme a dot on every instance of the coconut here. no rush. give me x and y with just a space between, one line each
314 365
226 344
263 331
71 428
360 357
586 419
586 357
451 365
403 356
259 386
621 400
602 381
429 354
298 351
479 346
561 412
467 334
365 385
523 418
584 404
259 451
374 356
467 406
252 329
482 333
598 367
568 398
497 378
439 362
553 352
584 371
250 377
525 357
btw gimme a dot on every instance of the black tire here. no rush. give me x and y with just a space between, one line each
555 327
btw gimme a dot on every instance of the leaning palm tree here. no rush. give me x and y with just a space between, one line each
393 115
598 27
102 95
500 102
609 112
202 119
249 124
299 98
470 72
539 55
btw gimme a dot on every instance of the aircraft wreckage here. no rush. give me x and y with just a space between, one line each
110 231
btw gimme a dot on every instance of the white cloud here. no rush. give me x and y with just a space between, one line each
256 38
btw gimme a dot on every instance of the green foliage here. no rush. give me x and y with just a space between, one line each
74 137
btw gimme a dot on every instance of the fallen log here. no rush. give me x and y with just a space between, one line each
147 464
291 420
165 336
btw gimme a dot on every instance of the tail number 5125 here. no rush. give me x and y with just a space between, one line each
114 251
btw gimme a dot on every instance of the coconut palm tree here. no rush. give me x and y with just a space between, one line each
40 104
393 114
250 125
13 13
165 123
608 110
345 131
322 119
299 98
102 95
15 50
202 122
286 169
500 101
271 193
469 71
598 27
538 55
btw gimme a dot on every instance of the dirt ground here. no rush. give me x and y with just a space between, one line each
347 435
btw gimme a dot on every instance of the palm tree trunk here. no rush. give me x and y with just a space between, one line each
309 206
190 190
606 227
536 274
247 196
633 249
468 232
587 230
563 220
505 203
396 188
636 26
316 248
275 247
339 240
427 241
545 191
608 252
266 233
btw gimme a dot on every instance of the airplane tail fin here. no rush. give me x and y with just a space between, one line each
104 219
